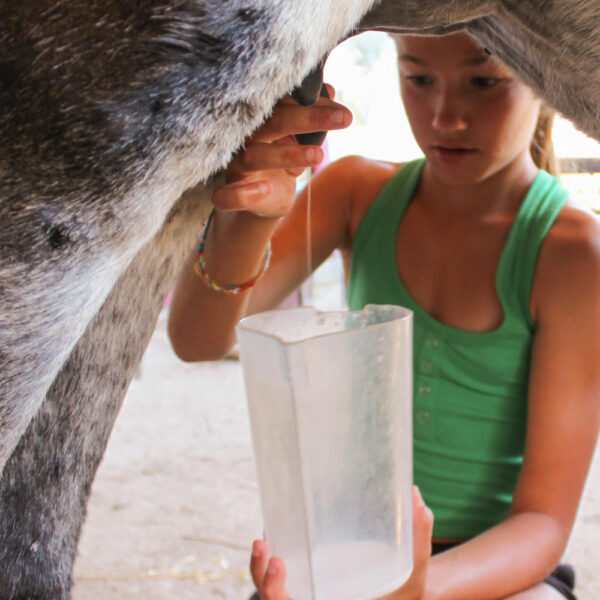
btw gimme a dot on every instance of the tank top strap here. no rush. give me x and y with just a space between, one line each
385 212
541 205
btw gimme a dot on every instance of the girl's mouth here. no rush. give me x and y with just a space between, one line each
453 154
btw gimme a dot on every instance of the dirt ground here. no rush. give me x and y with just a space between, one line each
175 504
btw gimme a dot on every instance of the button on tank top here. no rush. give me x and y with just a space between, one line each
470 388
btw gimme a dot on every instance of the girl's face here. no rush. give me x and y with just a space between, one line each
468 114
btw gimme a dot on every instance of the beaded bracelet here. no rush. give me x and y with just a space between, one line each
232 290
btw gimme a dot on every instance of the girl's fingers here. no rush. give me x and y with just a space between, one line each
273 586
291 118
331 91
258 563
423 529
259 156
241 195
323 99
272 197
268 576
261 177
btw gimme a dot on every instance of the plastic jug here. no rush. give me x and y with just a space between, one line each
330 403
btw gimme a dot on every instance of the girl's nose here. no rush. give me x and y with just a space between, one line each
449 112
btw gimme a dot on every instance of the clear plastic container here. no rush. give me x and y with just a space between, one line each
330 402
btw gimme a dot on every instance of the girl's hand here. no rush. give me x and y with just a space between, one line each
268 574
261 178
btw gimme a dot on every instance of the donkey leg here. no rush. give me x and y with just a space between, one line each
47 480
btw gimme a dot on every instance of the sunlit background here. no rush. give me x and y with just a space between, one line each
363 72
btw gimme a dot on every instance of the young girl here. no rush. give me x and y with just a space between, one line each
502 272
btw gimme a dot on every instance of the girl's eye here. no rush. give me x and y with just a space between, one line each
485 82
419 80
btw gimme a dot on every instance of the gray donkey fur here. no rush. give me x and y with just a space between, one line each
109 111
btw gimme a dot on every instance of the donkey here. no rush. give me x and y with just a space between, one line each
116 117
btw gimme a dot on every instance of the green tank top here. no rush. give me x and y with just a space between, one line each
470 389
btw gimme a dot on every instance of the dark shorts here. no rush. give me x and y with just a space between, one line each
561 579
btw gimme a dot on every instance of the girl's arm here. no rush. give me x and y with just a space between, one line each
259 193
563 423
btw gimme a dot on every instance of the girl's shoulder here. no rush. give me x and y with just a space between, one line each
569 260
360 172
575 235
365 172
362 180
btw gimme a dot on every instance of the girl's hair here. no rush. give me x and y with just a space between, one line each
542 147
